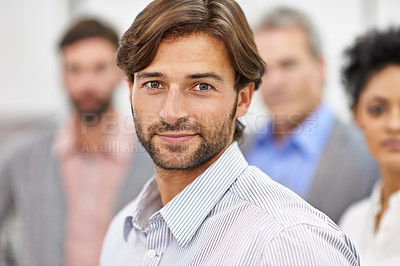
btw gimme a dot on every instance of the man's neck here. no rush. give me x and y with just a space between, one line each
90 135
281 129
172 182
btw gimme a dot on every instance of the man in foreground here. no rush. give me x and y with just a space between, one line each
67 185
192 68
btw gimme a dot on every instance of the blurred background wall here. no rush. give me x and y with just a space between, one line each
31 91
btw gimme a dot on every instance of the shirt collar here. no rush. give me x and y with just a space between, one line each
149 202
186 211
309 136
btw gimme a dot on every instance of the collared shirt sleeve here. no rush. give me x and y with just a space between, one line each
307 245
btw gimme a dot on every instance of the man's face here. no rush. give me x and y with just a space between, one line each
292 84
184 102
90 74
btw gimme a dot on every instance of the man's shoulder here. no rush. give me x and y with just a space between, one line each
24 144
281 204
284 219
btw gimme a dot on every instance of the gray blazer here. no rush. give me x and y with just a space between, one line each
346 172
30 182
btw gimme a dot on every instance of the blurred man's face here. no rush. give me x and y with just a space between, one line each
90 74
185 104
292 85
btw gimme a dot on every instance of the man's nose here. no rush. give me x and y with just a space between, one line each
174 106
274 78
86 79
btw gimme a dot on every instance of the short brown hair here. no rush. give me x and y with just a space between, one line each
89 28
221 19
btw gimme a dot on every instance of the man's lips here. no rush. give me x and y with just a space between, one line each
176 138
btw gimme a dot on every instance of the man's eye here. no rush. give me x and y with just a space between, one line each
202 87
74 70
289 65
100 68
153 84
375 110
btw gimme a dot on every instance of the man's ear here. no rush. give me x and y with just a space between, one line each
245 95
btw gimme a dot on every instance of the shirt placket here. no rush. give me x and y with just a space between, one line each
157 240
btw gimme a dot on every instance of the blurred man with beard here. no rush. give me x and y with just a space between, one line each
66 186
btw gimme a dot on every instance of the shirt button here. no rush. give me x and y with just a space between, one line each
151 253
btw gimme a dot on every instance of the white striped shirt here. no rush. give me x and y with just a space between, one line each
232 214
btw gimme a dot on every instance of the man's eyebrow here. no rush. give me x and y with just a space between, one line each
205 75
149 75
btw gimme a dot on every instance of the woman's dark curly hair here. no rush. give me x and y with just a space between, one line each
370 54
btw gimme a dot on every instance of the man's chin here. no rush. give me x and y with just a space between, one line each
176 156
92 111
174 165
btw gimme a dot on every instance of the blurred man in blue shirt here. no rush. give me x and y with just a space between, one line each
300 152
304 146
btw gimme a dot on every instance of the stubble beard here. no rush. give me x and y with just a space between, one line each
93 114
212 138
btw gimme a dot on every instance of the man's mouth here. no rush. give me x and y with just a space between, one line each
176 138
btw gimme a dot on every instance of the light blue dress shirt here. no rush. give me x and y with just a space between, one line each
232 214
293 161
